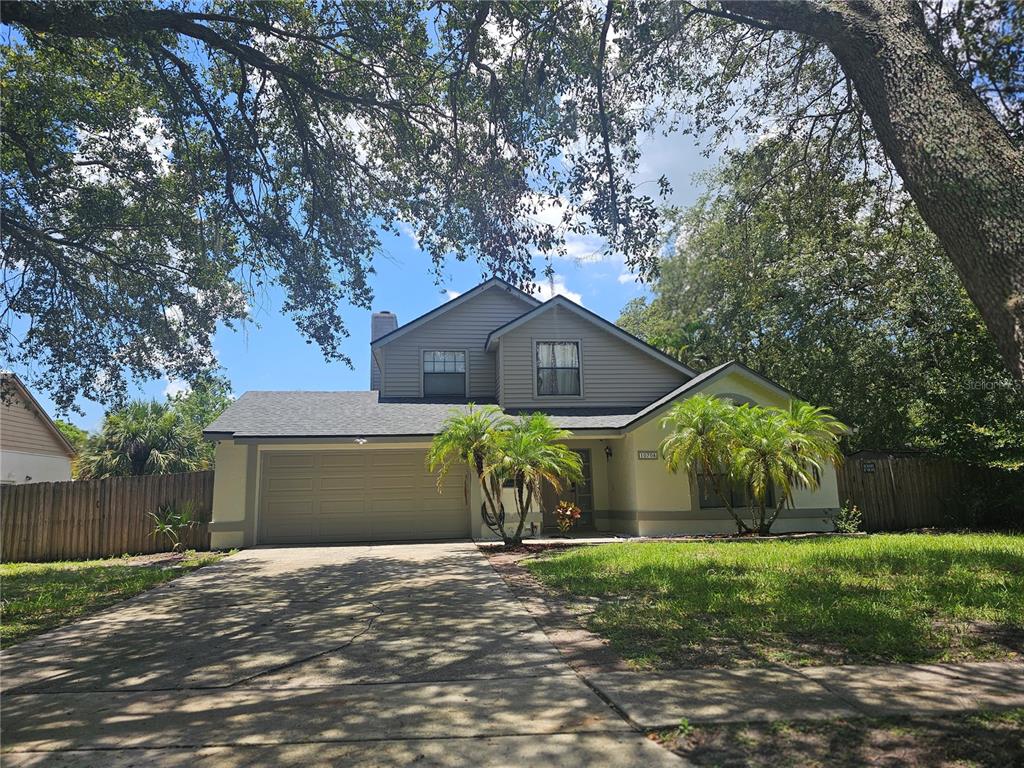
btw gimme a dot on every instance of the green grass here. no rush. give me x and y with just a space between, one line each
990 739
38 596
887 598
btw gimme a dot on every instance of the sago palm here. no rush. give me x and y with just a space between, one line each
702 437
529 454
143 438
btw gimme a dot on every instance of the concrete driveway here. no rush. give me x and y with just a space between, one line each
382 655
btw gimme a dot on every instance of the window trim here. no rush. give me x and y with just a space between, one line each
533 352
423 372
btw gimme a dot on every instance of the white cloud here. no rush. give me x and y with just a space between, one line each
453 294
627 277
556 287
407 229
176 387
586 248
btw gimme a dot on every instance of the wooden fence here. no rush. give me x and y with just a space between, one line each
98 518
897 492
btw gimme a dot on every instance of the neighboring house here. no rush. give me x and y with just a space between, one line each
305 467
32 449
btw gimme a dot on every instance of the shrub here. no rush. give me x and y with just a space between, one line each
171 520
567 515
849 519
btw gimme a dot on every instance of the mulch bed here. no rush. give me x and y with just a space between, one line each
154 560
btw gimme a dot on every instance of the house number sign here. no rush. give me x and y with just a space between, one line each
869 467
647 455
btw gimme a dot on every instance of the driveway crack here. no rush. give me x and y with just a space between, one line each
310 657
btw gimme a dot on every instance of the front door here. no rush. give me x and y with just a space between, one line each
583 491
581 494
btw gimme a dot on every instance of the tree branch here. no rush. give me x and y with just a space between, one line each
602 111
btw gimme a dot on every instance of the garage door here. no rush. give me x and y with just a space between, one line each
338 496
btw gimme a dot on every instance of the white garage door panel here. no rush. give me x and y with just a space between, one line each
337 496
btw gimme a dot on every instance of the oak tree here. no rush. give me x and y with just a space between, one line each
164 162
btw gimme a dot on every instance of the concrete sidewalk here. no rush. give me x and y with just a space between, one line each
661 700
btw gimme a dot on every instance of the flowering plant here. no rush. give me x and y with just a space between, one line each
567 515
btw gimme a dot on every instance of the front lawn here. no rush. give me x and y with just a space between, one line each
876 599
38 596
989 739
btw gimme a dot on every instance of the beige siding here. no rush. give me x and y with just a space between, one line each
666 504
464 327
21 429
615 373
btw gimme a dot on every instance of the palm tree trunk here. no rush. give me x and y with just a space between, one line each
777 512
765 521
524 509
716 484
493 509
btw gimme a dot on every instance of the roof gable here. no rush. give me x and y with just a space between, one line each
11 380
595 319
492 284
699 382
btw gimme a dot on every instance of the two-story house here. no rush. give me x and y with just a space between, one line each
319 467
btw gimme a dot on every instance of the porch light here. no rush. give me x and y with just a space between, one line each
608 452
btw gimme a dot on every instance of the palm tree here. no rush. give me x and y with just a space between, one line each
524 452
764 461
529 454
764 450
143 438
471 435
703 437
784 450
819 432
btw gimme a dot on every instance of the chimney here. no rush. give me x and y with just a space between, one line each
381 323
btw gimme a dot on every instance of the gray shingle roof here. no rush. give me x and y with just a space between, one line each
360 414
363 414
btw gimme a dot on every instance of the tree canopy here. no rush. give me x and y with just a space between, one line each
841 297
143 438
163 163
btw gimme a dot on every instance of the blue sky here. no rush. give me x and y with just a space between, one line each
270 354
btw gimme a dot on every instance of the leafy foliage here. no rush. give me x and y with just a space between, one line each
567 514
165 163
172 520
522 453
762 449
74 435
144 438
836 293
849 519
205 400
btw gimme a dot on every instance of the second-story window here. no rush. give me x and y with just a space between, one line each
558 368
444 373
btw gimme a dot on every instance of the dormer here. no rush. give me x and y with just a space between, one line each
560 355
